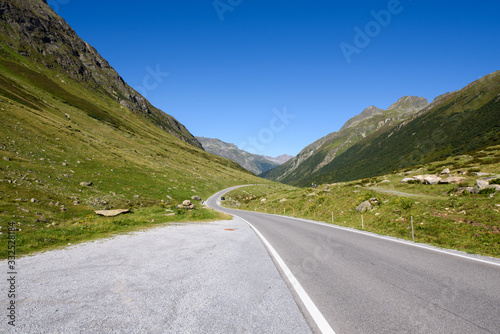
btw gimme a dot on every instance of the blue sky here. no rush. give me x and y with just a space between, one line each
274 76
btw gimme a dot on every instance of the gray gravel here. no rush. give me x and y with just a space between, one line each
191 278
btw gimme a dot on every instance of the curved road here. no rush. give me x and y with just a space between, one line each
363 283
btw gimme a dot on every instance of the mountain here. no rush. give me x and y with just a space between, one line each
455 123
257 164
326 149
75 138
281 159
32 30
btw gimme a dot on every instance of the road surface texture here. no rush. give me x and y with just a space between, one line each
190 278
364 283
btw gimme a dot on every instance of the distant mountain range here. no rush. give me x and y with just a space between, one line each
257 164
410 132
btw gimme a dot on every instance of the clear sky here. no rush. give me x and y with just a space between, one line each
274 76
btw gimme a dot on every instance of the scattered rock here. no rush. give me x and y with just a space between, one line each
6 158
170 198
196 198
385 181
446 171
283 200
263 200
482 184
482 174
170 214
453 180
431 179
420 178
86 184
407 179
136 196
111 213
34 200
64 164
365 206
186 205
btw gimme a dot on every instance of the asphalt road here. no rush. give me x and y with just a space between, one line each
195 278
364 283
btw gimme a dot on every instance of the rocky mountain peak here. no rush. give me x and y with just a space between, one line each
409 104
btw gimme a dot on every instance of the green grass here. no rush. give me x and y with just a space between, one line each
32 237
467 222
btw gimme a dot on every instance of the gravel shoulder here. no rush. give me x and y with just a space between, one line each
187 278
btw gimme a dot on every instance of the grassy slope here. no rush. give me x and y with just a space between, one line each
467 222
56 133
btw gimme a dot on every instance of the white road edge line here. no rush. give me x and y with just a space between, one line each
315 313
393 239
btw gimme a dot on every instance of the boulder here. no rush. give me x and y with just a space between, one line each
470 190
111 213
186 205
419 177
407 179
196 198
283 200
482 184
446 171
431 179
263 200
363 207
86 184
454 180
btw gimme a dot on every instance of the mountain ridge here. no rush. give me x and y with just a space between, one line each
321 152
257 164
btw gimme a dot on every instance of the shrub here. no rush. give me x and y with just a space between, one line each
495 181
487 191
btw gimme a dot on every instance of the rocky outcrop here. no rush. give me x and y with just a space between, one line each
111 213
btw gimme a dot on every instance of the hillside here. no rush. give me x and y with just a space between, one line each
257 164
322 152
76 138
32 30
455 123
